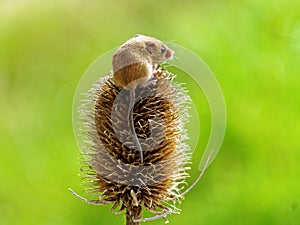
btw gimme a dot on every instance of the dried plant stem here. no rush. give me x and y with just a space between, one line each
133 213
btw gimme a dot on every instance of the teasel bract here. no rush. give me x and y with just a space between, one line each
111 170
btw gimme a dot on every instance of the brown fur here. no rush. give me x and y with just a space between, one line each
137 58
130 73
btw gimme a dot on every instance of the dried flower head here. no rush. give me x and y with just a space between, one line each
131 129
112 170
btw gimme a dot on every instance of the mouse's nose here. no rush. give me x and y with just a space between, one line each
169 54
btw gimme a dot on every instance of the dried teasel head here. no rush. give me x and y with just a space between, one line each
112 170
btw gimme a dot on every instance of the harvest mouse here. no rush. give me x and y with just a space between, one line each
134 64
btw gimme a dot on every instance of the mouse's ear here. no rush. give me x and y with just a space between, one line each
137 35
150 46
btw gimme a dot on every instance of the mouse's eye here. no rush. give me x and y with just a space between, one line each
162 49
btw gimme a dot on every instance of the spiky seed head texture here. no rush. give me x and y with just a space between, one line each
111 164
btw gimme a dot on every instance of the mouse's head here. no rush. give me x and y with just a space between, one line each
157 50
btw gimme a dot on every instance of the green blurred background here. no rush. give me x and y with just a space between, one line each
252 46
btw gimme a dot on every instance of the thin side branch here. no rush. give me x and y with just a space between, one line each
92 202
164 215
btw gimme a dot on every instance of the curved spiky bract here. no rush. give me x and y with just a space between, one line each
112 168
